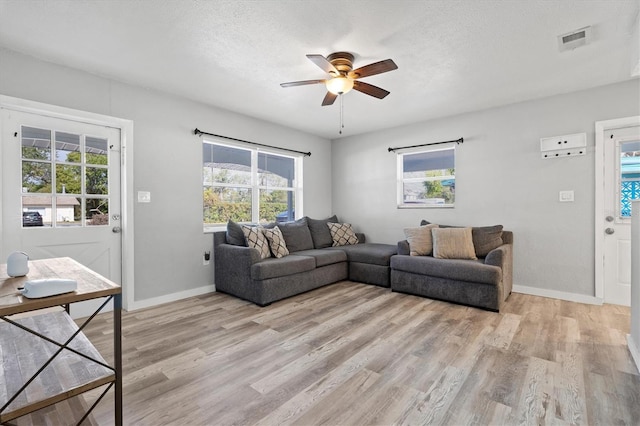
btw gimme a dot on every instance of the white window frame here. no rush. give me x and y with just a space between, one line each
255 188
401 180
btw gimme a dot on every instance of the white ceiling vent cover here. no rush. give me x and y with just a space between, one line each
574 39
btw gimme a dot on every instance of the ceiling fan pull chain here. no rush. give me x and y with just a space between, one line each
341 114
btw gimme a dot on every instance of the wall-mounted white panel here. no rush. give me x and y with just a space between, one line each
563 146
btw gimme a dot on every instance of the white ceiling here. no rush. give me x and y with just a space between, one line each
452 56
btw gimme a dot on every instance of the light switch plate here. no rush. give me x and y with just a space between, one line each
144 196
566 196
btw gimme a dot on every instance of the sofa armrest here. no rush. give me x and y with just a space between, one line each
233 267
403 247
502 257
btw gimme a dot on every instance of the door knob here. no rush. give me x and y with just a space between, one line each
609 231
117 230
609 218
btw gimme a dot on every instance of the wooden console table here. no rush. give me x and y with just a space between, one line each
45 358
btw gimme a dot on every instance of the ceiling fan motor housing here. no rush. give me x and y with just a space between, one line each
342 61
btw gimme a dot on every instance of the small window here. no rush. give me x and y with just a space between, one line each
248 185
427 179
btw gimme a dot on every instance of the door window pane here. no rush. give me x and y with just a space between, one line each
97 212
68 179
97 180
36 177
68 210
36 143
68 147
629 176
36 211
96 150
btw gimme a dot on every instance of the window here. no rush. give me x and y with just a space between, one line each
249 185
65 179
628 176
427 178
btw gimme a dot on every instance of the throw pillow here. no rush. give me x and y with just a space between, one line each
453 243
276 242
420 240
296 235
486 238
342 234
256 239
320 233
235 236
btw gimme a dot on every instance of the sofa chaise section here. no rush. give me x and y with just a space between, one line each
484 283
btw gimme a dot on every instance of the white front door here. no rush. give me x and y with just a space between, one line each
60 185
619 178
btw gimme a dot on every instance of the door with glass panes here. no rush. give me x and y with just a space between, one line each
60 186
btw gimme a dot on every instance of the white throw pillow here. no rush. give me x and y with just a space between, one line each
342 234
256 239
276 242
420 240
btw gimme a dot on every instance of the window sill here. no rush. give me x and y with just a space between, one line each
425 206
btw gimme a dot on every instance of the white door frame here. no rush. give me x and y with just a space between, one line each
600 129
126 173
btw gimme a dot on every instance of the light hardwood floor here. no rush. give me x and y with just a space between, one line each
355 354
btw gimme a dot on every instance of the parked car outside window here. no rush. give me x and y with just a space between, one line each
31 219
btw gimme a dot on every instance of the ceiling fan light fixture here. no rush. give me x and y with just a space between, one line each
339 85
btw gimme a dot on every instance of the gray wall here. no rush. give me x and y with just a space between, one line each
169 240
500 179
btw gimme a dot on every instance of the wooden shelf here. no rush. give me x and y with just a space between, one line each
23 354
68 374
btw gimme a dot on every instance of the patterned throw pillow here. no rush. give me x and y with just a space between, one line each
256 239
420 240
276 242
342 234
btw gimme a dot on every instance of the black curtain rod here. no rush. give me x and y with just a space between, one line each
200 132
458 141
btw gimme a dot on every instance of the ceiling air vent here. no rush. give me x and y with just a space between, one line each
574 39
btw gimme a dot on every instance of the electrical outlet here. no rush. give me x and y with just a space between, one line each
206 259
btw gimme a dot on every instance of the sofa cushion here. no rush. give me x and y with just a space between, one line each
324 257
371 253
256 239
234 235
320 233
342 234
453 269
296 235
453 243
485 238
276 242
288 265
420 240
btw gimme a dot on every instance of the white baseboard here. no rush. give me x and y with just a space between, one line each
554 294
634 349
147 303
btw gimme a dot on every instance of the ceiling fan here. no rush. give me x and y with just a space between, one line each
343 77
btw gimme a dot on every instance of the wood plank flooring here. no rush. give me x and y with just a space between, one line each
355 354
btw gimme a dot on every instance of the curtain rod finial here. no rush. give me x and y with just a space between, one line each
196 131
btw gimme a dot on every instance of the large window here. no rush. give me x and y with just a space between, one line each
249 185
427 178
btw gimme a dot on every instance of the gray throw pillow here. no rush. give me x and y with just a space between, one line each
486 238
235 236
296 235
320 232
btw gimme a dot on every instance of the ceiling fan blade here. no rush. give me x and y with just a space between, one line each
373 69
329 99
370 89
323 63
301 83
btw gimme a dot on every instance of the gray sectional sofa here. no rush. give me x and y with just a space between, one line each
485 283
311 263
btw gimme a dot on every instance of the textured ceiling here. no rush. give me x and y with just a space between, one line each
452 56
